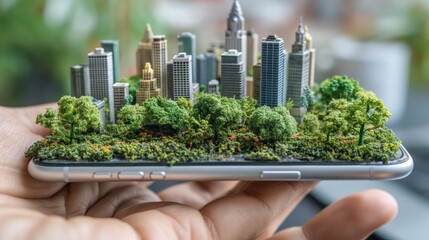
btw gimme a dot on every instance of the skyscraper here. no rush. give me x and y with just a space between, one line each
235 35
80 82
148 87
120 92
272 72
299 62
187 43
206 68
285 79
252 50
213 86
182 76
257 81
101 76
170 79
113 47
159 59
309 46
233 80
144 51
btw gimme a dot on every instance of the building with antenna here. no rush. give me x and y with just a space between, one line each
235 35
144 50
298 72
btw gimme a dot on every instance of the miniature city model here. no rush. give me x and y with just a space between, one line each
198 108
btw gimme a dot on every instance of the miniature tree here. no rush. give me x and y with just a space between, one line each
220 112
339 87
335 121
164 113
184 103
308 98
310 124
271 125
367 112
74 116
248 105
131 115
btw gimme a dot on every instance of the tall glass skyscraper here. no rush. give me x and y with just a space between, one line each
187 43
272 72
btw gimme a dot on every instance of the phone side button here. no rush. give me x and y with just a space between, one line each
158 175
131 175
280 175
102 175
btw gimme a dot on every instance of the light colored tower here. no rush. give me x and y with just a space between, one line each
80 82
120 92
113 47
257 81
148 87
285 70
233 79
235 35
144 51
159 59
272 72
309 40
213 86
252 50
187 43
299 63
101 76
182 76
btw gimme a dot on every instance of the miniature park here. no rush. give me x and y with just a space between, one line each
223 105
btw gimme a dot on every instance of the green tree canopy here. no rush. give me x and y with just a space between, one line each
367 112
74 116
220 112
131 115
164 113
339 87
311 124
272 124
335 121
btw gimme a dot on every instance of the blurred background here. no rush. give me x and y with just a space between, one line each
384 44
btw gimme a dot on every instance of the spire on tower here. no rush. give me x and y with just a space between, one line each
236 9
148 34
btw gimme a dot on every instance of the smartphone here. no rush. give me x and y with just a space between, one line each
234 169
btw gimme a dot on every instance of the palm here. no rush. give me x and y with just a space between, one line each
194 210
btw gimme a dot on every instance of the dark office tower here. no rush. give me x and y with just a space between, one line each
235 35
170 79
211 66
101 76
113 47
80 82
252 50
202 70
187 43
299 62
144 50
233 80
257 81
272 72
159 59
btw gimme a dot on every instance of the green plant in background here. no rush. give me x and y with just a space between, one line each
41 39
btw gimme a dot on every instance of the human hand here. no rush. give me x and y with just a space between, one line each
31 209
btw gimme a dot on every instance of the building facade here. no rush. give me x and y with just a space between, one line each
257 81
182 76
213 87
299 63
101 76
148 85
159 59
272 72
206 68
252 50
120 92
233 77
170 79
80 82
100 106
144 50
312 50
187 43
235 35
113 47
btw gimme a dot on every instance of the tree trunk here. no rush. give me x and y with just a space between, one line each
361 132
328 135
71 133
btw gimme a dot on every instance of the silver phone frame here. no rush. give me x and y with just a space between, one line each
257 172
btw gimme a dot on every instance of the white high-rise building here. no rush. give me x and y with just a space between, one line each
120 92
182 76
233 78
159 60
101 76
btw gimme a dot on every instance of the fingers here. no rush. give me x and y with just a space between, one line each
353 217
247 212
197 194
28 115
